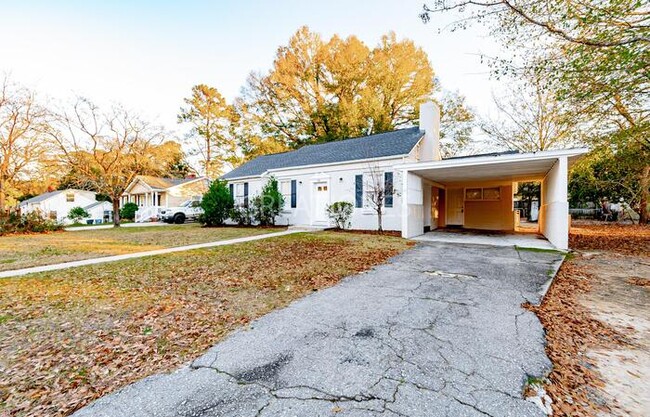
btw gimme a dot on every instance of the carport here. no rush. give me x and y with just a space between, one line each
476 192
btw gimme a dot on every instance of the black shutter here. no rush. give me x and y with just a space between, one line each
231 187
388 189
358 191
245 194
294 189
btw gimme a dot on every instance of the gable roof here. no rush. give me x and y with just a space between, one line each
95 204
41 197
161 183
50 194
395 143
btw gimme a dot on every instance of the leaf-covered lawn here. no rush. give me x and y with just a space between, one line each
23 251
68 337
628 239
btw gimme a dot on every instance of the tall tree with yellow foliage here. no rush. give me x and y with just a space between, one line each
320 90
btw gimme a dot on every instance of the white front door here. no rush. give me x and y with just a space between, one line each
455 206
320 200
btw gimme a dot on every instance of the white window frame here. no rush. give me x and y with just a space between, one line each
239 194
285 190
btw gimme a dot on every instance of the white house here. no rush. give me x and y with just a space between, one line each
56 205
473 192
153 193
100 212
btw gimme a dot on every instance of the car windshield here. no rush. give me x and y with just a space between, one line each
186 203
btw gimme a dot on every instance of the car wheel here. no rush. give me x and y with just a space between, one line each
179 218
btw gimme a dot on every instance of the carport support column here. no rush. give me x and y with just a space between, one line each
554 213
412 200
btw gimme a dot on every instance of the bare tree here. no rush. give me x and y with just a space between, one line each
22 140
531 119
376 190
104 151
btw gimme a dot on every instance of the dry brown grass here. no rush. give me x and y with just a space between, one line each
23 251
68 337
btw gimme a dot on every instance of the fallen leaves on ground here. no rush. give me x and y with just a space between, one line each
570 327
630 239
71 336
641 282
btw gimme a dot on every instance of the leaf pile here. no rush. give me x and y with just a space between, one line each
71 336
641 282
570 330
630 239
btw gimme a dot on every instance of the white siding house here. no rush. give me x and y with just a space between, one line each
56 205
154 193
474 192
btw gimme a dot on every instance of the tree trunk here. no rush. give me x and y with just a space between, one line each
644 216
3 195
380 228
116 212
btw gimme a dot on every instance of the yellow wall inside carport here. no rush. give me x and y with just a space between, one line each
489 215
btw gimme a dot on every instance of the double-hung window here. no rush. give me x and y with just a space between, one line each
241 194
388 189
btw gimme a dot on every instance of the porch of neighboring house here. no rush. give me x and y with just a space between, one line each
471 199
148 201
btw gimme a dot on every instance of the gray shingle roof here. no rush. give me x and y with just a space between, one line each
397 142
41 197
95 204
512 152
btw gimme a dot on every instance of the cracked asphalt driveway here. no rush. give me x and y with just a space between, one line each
438 331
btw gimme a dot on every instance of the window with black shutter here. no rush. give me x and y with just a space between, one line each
294 190
388 189
231 187
245 194
358 191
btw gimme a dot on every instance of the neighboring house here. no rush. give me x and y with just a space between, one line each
56 205
99 212
474 192
153 193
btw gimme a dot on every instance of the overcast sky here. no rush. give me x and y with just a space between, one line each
148 54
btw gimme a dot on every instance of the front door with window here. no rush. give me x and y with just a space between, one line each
320 200
455 206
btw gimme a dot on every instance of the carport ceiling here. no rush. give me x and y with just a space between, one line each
527 170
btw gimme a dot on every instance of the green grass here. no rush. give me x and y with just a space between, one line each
23 251
540 250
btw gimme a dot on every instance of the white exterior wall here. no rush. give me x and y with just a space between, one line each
554 211
59 204
340 179
97 212
412 221
430 123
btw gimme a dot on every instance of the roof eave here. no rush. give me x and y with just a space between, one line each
491 159
353 161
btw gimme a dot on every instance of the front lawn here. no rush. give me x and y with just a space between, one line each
70 336
23 251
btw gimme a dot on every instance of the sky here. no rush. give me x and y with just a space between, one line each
147 55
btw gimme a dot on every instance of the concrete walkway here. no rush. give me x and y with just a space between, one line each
94 261
110 226
522 240
439 331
